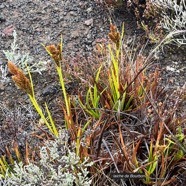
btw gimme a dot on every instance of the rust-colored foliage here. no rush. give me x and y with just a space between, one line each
130 139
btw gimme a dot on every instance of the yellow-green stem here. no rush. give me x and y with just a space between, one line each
63 89
38 109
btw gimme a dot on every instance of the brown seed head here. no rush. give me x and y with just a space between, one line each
52 49
19 78
55 52
13 69
114 35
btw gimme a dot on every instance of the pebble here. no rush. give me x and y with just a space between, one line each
89 9
75 34
89 22
2 6
73 13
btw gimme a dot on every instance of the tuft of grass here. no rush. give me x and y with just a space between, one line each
122 120
27 85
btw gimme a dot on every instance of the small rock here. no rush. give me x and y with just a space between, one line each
75 34
2 87
88 41
89 9
73 13
50 90
172 69
2 6
89 36
2 19
86 32
89 22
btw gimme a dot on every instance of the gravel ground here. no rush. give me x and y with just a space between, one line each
82 23
44 21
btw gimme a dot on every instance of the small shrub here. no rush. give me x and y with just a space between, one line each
59 165
173 14
21 60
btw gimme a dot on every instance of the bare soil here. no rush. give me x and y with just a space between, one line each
82 23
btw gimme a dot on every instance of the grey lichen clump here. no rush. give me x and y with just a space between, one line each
174 16
59 166
21 60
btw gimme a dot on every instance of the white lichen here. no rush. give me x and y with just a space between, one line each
174 17
59 166
21 59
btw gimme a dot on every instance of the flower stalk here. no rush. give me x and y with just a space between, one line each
55 51
27 86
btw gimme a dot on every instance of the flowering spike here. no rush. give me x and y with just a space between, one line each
12 68
114 35
55 52
19 78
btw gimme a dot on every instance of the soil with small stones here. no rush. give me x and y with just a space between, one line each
83 23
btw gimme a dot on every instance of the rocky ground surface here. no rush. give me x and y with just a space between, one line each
82 23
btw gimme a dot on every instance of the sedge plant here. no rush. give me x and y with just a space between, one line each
119 90
111 90
27 86
117 96
92 98
8 160
55 51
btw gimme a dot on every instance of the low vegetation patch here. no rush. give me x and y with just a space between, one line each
121 121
